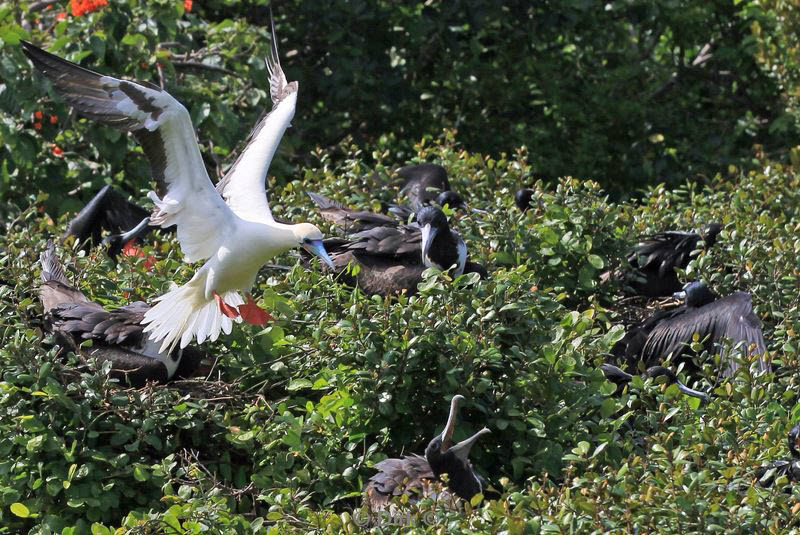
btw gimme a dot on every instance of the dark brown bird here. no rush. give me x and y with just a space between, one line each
117 335
421 476
671 332
652 263
522 198
348 219
422 183
391 256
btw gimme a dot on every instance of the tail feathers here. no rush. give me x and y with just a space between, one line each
52 270
183 313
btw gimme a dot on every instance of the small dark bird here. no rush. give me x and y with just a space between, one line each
446 198
391 257
420 475
423 182
108 211
790 468
653 261
522 198
621 379
713 320
117 335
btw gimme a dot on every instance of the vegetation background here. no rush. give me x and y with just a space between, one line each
672 114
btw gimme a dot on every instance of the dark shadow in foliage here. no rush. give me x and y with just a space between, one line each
786 468
662 92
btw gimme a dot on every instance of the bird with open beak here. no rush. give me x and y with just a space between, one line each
420 475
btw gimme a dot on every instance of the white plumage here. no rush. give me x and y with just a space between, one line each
232 227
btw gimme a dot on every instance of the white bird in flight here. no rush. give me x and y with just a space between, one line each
232 227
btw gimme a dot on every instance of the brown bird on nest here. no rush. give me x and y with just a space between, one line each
117 335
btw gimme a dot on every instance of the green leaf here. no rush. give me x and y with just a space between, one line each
100 529
20 510
596 261
299 384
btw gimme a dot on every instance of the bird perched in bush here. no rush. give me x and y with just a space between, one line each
712 319
117 335
789 468
652 262
421 476
391 256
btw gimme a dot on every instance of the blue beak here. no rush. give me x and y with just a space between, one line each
317 248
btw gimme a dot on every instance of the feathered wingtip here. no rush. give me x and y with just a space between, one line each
52 270
323 202
279 87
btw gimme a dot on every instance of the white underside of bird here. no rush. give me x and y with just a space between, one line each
230 227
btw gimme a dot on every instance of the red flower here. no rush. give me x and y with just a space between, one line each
131 250
38 114
187 5
61 16
57 151
81 7
54 119
37 126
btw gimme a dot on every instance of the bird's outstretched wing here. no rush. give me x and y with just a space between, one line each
730 318
243 187
350 220
163 127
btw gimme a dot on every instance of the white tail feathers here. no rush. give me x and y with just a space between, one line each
183 313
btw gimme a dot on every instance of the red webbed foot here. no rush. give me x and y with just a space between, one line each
254 314
225 308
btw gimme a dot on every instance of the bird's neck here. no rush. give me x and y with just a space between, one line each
280 236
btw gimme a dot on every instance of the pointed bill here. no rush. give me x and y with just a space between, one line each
428 234
317 248
461 450
447 434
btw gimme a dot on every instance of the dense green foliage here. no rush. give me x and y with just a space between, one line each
625 106
291 418
280 431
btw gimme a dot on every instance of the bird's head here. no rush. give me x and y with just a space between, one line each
710 233
446 457
696 294
451 199
309 238
522 198
433 222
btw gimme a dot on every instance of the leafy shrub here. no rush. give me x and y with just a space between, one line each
625 106
283 430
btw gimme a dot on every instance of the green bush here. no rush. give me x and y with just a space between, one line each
283 431
625 106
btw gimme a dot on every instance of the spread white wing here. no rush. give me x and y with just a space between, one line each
243 185
163 127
